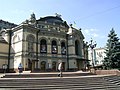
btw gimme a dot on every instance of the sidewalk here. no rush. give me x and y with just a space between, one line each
77 72
49 75
54 77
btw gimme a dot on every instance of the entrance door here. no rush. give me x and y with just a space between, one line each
29 64
79 64
33 65
54 66
43 65
63 66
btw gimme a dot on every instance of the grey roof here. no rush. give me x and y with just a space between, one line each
54 19
6 24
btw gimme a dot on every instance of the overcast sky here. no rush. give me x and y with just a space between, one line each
95 17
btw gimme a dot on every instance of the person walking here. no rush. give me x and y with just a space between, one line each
60 69
20 68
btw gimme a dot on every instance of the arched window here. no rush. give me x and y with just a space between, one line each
15 38
63 48
14 42
77 48
54 47
43 46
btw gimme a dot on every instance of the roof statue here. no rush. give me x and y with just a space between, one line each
58 15
32 19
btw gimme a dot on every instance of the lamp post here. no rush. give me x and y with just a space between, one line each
67 51
68 35
92 45
37 33
9 51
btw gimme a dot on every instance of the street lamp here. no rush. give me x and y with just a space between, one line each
92 45
67 51
68 35
9 51
37 33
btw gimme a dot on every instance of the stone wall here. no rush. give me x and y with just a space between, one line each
106 72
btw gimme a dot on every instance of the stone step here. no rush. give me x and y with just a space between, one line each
33 75
113 79
88 83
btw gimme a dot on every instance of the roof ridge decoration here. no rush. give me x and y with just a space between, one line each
58 15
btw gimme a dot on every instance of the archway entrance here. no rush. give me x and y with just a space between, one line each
43 66
54 66
63 66
29 64
80 64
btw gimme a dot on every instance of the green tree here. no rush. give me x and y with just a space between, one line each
112 59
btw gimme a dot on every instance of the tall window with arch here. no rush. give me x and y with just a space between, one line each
14 42
54 47
43 46
63 48
15 39
78 50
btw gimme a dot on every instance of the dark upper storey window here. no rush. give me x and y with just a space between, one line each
54 47
63 48
43 46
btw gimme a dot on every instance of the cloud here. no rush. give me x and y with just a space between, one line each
16 11
86 31
31 11
19 11
96 35
91 32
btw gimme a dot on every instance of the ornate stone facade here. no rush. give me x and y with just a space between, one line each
42 44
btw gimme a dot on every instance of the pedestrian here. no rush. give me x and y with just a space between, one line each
20 68
60 69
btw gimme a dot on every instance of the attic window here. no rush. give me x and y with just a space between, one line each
56 28
41 26
51 27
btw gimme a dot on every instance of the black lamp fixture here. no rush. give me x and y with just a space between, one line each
92 45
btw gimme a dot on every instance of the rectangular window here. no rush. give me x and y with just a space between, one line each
54 49
43 49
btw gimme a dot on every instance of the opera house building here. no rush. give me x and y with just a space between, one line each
41 44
